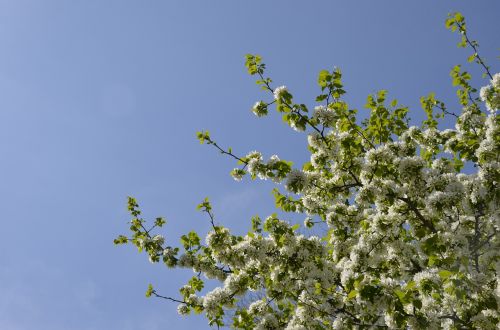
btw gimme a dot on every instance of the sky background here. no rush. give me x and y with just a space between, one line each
102 99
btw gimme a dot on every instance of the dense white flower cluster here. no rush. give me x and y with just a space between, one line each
182 309
254 161
490 94
296 180
159 239
324 115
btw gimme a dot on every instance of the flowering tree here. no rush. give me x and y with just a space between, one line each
412 240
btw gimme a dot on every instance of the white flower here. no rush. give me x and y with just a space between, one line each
310 202
390 321
491 94
296 180
159 239
254 154
257 307
426 275
293 124
269 321
485 92
254 160
217 238
324 115
141 242
182 309
495 82
279 91
237 174
314 140
185 261
273 160
408 166
259 109
214 299
168 252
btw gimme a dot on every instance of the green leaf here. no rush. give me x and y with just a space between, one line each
400 294
160 221
449 22
203 137
149 291
410 285
121 239
196 283
323 78
321 97
444 274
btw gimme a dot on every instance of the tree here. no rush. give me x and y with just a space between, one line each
412 240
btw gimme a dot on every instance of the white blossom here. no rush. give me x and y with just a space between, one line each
279 91
259 109
324 115
182 309
296 178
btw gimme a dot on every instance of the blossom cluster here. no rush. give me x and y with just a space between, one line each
490 94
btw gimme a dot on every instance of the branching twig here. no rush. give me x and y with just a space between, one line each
419 215
168 298
473 45
228 152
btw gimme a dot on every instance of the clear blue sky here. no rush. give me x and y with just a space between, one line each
102 99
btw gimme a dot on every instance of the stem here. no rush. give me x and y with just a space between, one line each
271 90
419 215
168 298
473 45
212 142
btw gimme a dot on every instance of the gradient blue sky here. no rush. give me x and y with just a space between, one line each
102 99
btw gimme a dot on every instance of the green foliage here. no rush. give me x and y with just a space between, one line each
149 291
254 65
461 79
384 122
191 241
204 206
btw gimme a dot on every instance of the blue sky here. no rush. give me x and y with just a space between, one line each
102 99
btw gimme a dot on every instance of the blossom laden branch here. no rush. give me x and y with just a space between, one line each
457 21
411 239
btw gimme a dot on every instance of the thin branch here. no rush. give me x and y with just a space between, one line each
271 90
442 108
168 298
473 45
453 318
229 153
419 215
